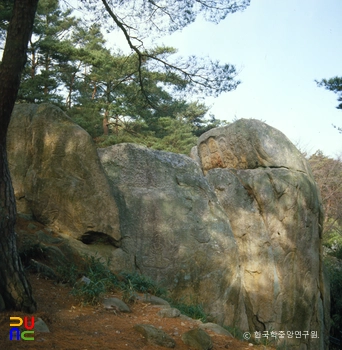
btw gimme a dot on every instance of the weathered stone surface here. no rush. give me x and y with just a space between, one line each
41 326
115 303
187 318
152 299
194 155
276 216
155 336
56 173
248 144
169 313
215 328
244 240
198 339
84 281
42 269
173 228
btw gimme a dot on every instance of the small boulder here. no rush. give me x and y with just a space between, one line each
117 304
40 326
155 336
215 328
43 269
84 280
153 300
169 313
198 339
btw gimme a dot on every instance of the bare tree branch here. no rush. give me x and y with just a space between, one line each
208 78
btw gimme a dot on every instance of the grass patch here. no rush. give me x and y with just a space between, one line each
142 284
98 279
236 332
133 283
193 310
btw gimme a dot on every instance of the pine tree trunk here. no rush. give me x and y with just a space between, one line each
105 125
14 287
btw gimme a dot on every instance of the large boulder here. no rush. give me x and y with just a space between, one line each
238 229
247 144
173 227
274 207
57 176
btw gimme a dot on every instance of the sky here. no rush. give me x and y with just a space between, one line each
279 48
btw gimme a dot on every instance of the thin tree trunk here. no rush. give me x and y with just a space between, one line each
14 287
105 124
94 91
33 60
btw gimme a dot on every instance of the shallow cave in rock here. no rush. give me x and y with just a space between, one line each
93 237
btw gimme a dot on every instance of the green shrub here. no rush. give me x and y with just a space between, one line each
141 284
101 280
194 311
68 273
236 332
333 241
190 307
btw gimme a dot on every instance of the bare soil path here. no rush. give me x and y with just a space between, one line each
73 326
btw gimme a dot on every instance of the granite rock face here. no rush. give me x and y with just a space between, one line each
173 227
267 190
247 144
56 174
237 229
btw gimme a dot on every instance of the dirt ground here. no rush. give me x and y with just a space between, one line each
73 326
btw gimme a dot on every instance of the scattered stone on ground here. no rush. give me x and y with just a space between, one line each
43 269
169 312
148 298
116 304
155 336
215 328
76 326
41 326
198 339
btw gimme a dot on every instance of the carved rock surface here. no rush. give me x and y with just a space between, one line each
274 208
173 228
56 173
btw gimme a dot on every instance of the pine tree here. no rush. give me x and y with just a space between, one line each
334 85
49 51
